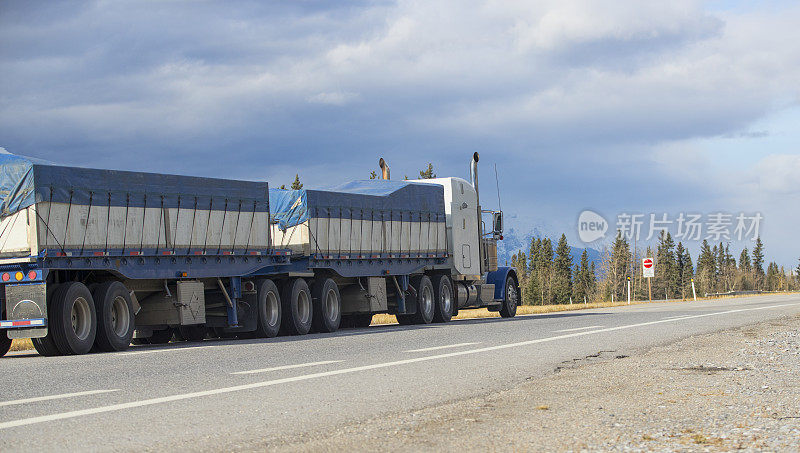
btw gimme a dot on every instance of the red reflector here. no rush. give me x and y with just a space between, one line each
32 275
6 277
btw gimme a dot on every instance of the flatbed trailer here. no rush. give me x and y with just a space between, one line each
92 260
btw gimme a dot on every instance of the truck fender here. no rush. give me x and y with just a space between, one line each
498 278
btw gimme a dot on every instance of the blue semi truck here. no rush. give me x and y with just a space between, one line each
94 260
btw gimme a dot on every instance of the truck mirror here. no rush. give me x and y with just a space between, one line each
497 222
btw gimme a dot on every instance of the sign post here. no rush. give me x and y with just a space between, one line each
629 290
648 272
694 293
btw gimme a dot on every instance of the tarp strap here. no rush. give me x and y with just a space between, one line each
191 234
86 226
177 217
160 219
250 230
224 216
236 228
108 221
208 223
125 232
66 227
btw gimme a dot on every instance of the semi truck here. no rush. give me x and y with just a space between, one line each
93 260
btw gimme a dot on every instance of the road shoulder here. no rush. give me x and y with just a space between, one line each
734 389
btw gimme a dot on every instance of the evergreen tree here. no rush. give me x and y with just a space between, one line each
745 270
772 280
583 279
297 185
758 264
428 172
373 175
547 271
706 269
666 280
685 270
797 274
620 266
562 272
532 294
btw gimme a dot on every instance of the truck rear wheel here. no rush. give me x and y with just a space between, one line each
425 302
297 310
115 317
73 320
443 293
269 309
5 343
327 305
509 307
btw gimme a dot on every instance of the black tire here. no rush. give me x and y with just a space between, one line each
444 300
73 319
296 307
162 336
425 300
327 305
193 333
269 310
139 341
115 317
5 343
509 307
45 345
406 320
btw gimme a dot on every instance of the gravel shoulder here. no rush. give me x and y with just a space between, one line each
736 389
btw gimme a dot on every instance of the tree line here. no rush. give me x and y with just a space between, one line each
549 276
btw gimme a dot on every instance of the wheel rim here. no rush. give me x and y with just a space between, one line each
303 307
427 299
511 290
331 304
447 300
271 309
81 318
120 316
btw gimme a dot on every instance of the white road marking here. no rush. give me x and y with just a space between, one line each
54 397
435 348
577 328
306 377
288 367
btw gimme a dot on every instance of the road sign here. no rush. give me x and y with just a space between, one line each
648 269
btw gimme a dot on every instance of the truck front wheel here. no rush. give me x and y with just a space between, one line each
509 307
115 317
297 310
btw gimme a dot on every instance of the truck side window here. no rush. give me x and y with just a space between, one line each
464 224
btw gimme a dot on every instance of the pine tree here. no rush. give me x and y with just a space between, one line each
562 272
533 287
797 274
297 185
745 270
771 281
666 267
373 175
685 270
706 269
583 279
547 271
428 172
620 266
758 264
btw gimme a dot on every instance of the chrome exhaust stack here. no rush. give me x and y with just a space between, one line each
384 169
473 174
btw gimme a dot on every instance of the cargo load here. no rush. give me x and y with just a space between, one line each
361 219
52 210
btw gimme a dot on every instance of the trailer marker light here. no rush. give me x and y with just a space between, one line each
32 275
6 277
19 276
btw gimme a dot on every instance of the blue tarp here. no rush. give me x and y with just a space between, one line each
25 181
368 199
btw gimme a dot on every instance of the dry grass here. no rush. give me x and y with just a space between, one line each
21 345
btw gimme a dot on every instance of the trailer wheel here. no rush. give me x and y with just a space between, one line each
162 336
115 317
425 300
269 309
73 319
509 307
5 343
193 333
297 308
443 293
327 305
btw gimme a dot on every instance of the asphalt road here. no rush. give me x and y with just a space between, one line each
245 394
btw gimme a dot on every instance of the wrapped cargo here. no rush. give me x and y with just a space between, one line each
361 219
51 210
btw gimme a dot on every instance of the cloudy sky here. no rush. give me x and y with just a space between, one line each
615 106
